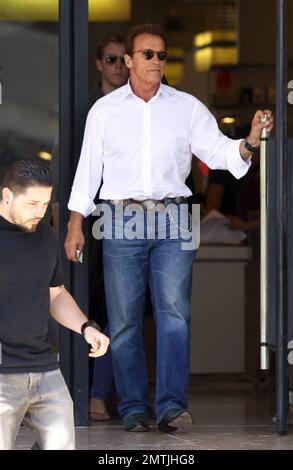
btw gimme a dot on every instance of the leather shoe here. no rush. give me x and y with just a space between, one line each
175 420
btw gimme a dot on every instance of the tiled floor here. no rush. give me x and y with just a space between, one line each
228 414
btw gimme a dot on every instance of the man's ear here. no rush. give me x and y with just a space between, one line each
99 65
128 61
7 195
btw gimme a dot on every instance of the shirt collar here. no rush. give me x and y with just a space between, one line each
163 90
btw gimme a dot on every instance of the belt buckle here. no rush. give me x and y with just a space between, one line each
179 199
115 202
148 204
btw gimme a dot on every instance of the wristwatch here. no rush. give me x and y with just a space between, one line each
249 147
91 323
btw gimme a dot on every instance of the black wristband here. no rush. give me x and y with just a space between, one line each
91 323
249 147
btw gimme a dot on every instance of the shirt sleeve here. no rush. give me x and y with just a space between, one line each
90 167
57 278
211 146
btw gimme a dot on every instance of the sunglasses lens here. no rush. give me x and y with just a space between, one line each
162 55
149 54
112 59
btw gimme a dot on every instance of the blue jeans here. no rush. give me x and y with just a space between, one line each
128 266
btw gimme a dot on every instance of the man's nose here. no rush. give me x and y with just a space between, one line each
155 59
40 212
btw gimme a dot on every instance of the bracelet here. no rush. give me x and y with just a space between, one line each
91 323
249 147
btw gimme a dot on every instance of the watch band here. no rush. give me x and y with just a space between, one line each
91 323
250 147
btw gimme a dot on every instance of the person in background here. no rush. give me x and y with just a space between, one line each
113 74
248 199
221 193
239 199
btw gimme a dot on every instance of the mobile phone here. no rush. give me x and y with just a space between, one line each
79 256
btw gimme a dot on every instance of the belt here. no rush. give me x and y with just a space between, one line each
147 204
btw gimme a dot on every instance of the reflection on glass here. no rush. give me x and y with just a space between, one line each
29 109
47 10
29 78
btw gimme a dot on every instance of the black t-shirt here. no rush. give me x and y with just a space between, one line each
29 265
231 187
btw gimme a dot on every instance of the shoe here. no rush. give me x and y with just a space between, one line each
175 420
137 422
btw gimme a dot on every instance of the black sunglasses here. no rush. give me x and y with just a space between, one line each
112 59
149 54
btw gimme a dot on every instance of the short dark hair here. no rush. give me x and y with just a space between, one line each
26 173
105 41
147 28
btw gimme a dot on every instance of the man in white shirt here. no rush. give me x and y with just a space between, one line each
141 138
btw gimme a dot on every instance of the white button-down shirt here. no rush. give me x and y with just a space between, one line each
144 150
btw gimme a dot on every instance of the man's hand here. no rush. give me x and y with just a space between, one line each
98 341
74 239
257 125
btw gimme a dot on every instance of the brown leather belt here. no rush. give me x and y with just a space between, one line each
147 204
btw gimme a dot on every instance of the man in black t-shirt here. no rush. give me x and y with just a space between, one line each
32 389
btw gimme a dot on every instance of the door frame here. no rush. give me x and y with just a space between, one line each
73 99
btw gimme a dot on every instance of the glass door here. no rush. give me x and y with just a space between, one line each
29 119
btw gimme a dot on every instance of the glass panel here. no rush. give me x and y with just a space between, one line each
290 72
29 82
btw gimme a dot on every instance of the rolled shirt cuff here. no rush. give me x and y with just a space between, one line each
236 165
81 203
